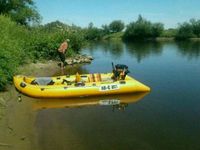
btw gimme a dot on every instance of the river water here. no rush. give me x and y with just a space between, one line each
166 118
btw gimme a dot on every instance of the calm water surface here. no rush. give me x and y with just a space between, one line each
166 118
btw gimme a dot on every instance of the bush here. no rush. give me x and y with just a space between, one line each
44 44
169 33
12 52
19 44
142 29
188 30
93 34
195 27
106 29
116 26
184 31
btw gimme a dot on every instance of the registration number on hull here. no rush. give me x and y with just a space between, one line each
109 102
109 87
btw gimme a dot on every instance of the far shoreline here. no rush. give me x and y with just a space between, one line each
119 37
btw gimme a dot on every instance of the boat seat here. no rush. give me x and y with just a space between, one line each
66 82
43 81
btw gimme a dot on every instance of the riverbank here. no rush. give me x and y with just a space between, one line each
47 67
16 118
44 68
119 36
163 39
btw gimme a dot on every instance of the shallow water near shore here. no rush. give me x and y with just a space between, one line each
166 118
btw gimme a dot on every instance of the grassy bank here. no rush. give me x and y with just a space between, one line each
21 44
113 36
162 38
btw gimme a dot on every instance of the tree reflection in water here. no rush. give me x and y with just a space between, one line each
113 47
141 50
189 49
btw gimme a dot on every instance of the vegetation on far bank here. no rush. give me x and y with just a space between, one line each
24 39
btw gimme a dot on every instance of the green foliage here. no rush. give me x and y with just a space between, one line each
21 11
113 36
93 33
19 44
106 29
12 53
169 33
42 44
156 29
195 27
116 26
55 26
188 30
77 40
185 31
45 41
142 29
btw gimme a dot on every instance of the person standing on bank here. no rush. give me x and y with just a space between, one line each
61 52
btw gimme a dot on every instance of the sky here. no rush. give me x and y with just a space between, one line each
99 12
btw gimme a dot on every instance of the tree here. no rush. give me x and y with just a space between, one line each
93 33
185 31
116 26
90 25
106 29
157 29
21 11
56 26
195 26
142 29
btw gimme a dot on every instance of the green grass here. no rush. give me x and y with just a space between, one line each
113 36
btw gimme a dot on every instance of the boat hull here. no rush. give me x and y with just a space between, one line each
61 90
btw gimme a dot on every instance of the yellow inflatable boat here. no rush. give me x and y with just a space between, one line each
77 85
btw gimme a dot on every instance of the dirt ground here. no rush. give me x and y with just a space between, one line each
17 117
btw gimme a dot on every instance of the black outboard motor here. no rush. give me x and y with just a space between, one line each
120 71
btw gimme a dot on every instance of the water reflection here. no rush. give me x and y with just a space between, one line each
169 119
141 50
118 102
85 123
115 48
189 49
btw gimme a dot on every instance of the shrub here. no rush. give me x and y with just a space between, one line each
19 44
195 27
142 29
12 52
188 30
185 31
93 34
169 32
44 44
116 26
